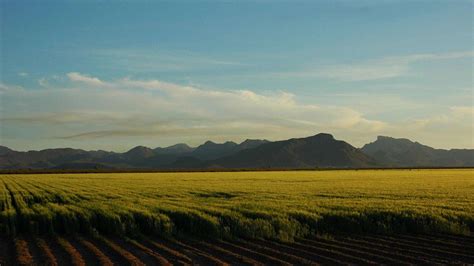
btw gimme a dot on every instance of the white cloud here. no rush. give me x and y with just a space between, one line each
75 76
163 109
384 68
22 74
155 111
452 127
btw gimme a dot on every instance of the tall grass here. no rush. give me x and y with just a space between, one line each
280 205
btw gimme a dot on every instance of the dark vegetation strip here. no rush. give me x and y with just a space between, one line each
148 170
167 221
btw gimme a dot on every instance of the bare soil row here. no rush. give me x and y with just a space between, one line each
334 250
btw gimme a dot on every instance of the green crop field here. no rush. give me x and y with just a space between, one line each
238 218
278 205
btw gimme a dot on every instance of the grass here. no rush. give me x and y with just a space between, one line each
275 205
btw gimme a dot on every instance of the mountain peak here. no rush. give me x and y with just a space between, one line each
4 150
180 148
387 138
401 152
179 145
320 150
140 151
248 141
323 136
139 148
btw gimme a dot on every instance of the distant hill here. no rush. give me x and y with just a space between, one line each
319 151
175 156
406 153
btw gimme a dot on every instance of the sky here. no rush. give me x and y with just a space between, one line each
112 75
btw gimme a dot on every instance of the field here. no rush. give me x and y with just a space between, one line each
298 217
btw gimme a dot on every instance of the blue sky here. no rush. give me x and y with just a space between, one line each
103 75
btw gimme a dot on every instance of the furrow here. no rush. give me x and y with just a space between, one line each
47 253
22 252
266 259
102 258
132 259
197 255
429 252
6 251
318 258
224 254
432 248
76 258
402 254
291 258
157 257
176 257
346 258
355 251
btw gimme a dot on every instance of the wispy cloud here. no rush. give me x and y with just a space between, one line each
384 68
151 60
23 74
90 109
167 109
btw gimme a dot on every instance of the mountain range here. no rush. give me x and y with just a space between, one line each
318 151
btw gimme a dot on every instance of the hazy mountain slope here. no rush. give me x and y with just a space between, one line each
321 150
210 150
42 159
175 156
405 153
4 150
179 148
